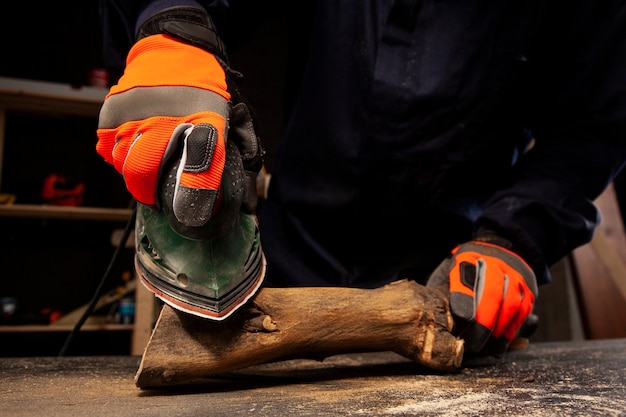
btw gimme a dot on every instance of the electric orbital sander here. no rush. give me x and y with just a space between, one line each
208 271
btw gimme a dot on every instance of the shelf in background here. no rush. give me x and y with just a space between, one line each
64 212
35 97
46 97
50 97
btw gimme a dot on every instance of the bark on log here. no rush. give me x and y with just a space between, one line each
303 323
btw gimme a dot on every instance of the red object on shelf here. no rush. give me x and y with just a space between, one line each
98 77
59 190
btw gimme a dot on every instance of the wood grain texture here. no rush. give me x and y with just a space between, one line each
599 273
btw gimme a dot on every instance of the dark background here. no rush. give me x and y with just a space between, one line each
50 40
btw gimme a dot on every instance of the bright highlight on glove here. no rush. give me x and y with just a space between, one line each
171 104
492 291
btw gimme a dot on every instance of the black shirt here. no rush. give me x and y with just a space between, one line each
416 124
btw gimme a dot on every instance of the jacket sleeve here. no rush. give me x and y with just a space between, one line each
121 20
578 115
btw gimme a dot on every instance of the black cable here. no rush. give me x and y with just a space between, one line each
118 250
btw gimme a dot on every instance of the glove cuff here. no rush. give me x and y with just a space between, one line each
489 236
189 24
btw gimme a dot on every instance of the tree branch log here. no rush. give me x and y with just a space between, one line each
303 323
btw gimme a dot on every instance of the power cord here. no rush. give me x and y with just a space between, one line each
118 250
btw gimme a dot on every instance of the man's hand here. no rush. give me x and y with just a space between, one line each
492 291
171 104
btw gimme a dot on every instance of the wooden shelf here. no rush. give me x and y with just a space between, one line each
50 97
63 212
46 97
61 99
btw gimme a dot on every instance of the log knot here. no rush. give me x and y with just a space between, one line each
260 323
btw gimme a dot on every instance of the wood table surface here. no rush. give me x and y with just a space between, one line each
582 378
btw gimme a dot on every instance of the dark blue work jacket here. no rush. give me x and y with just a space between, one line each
415 124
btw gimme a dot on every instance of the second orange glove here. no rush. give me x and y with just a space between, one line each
492 292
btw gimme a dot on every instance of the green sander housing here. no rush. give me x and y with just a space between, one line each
207 271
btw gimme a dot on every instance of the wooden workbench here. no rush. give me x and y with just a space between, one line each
547 379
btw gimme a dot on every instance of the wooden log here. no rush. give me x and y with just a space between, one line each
303 323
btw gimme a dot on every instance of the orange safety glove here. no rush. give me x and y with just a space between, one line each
492 292
170 106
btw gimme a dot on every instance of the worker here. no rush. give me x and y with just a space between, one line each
456 143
